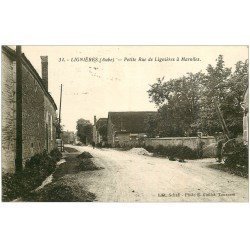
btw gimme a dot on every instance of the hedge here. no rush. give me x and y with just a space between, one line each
36 170
172 152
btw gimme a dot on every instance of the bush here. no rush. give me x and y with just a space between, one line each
238 157
235 160
56 154
107 145
188 153
36 170
126 147
161 150
172 152
63 190
149 148
85 155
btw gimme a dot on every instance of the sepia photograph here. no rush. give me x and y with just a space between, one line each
124 123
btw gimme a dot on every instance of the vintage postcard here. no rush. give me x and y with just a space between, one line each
125 123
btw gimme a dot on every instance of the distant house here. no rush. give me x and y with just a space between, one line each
98 124
245 117
38 110
126 128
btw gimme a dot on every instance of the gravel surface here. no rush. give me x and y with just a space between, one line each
127 177
140 151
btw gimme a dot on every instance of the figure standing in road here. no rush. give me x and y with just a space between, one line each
219 150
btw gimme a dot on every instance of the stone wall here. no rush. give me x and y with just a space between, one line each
8 113
123 139
209 143
49 124
33 115
38 112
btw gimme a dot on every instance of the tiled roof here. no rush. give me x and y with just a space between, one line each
101 122
130 122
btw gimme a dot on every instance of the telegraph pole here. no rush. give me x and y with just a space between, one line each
19 103
222 121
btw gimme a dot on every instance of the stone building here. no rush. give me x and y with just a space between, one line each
38 109
127 128
98 124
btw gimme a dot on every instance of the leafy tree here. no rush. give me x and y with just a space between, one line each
227 90
65 137
214 93
232 104
188 104
59 128
152 125
178 102
68 137
84 130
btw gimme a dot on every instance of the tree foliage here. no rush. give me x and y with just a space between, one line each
84 130
187 104
58 127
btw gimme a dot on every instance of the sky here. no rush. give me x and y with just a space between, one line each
118 80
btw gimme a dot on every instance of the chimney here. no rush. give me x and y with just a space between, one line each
94 120
44 61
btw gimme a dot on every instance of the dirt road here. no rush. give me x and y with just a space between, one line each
135 178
